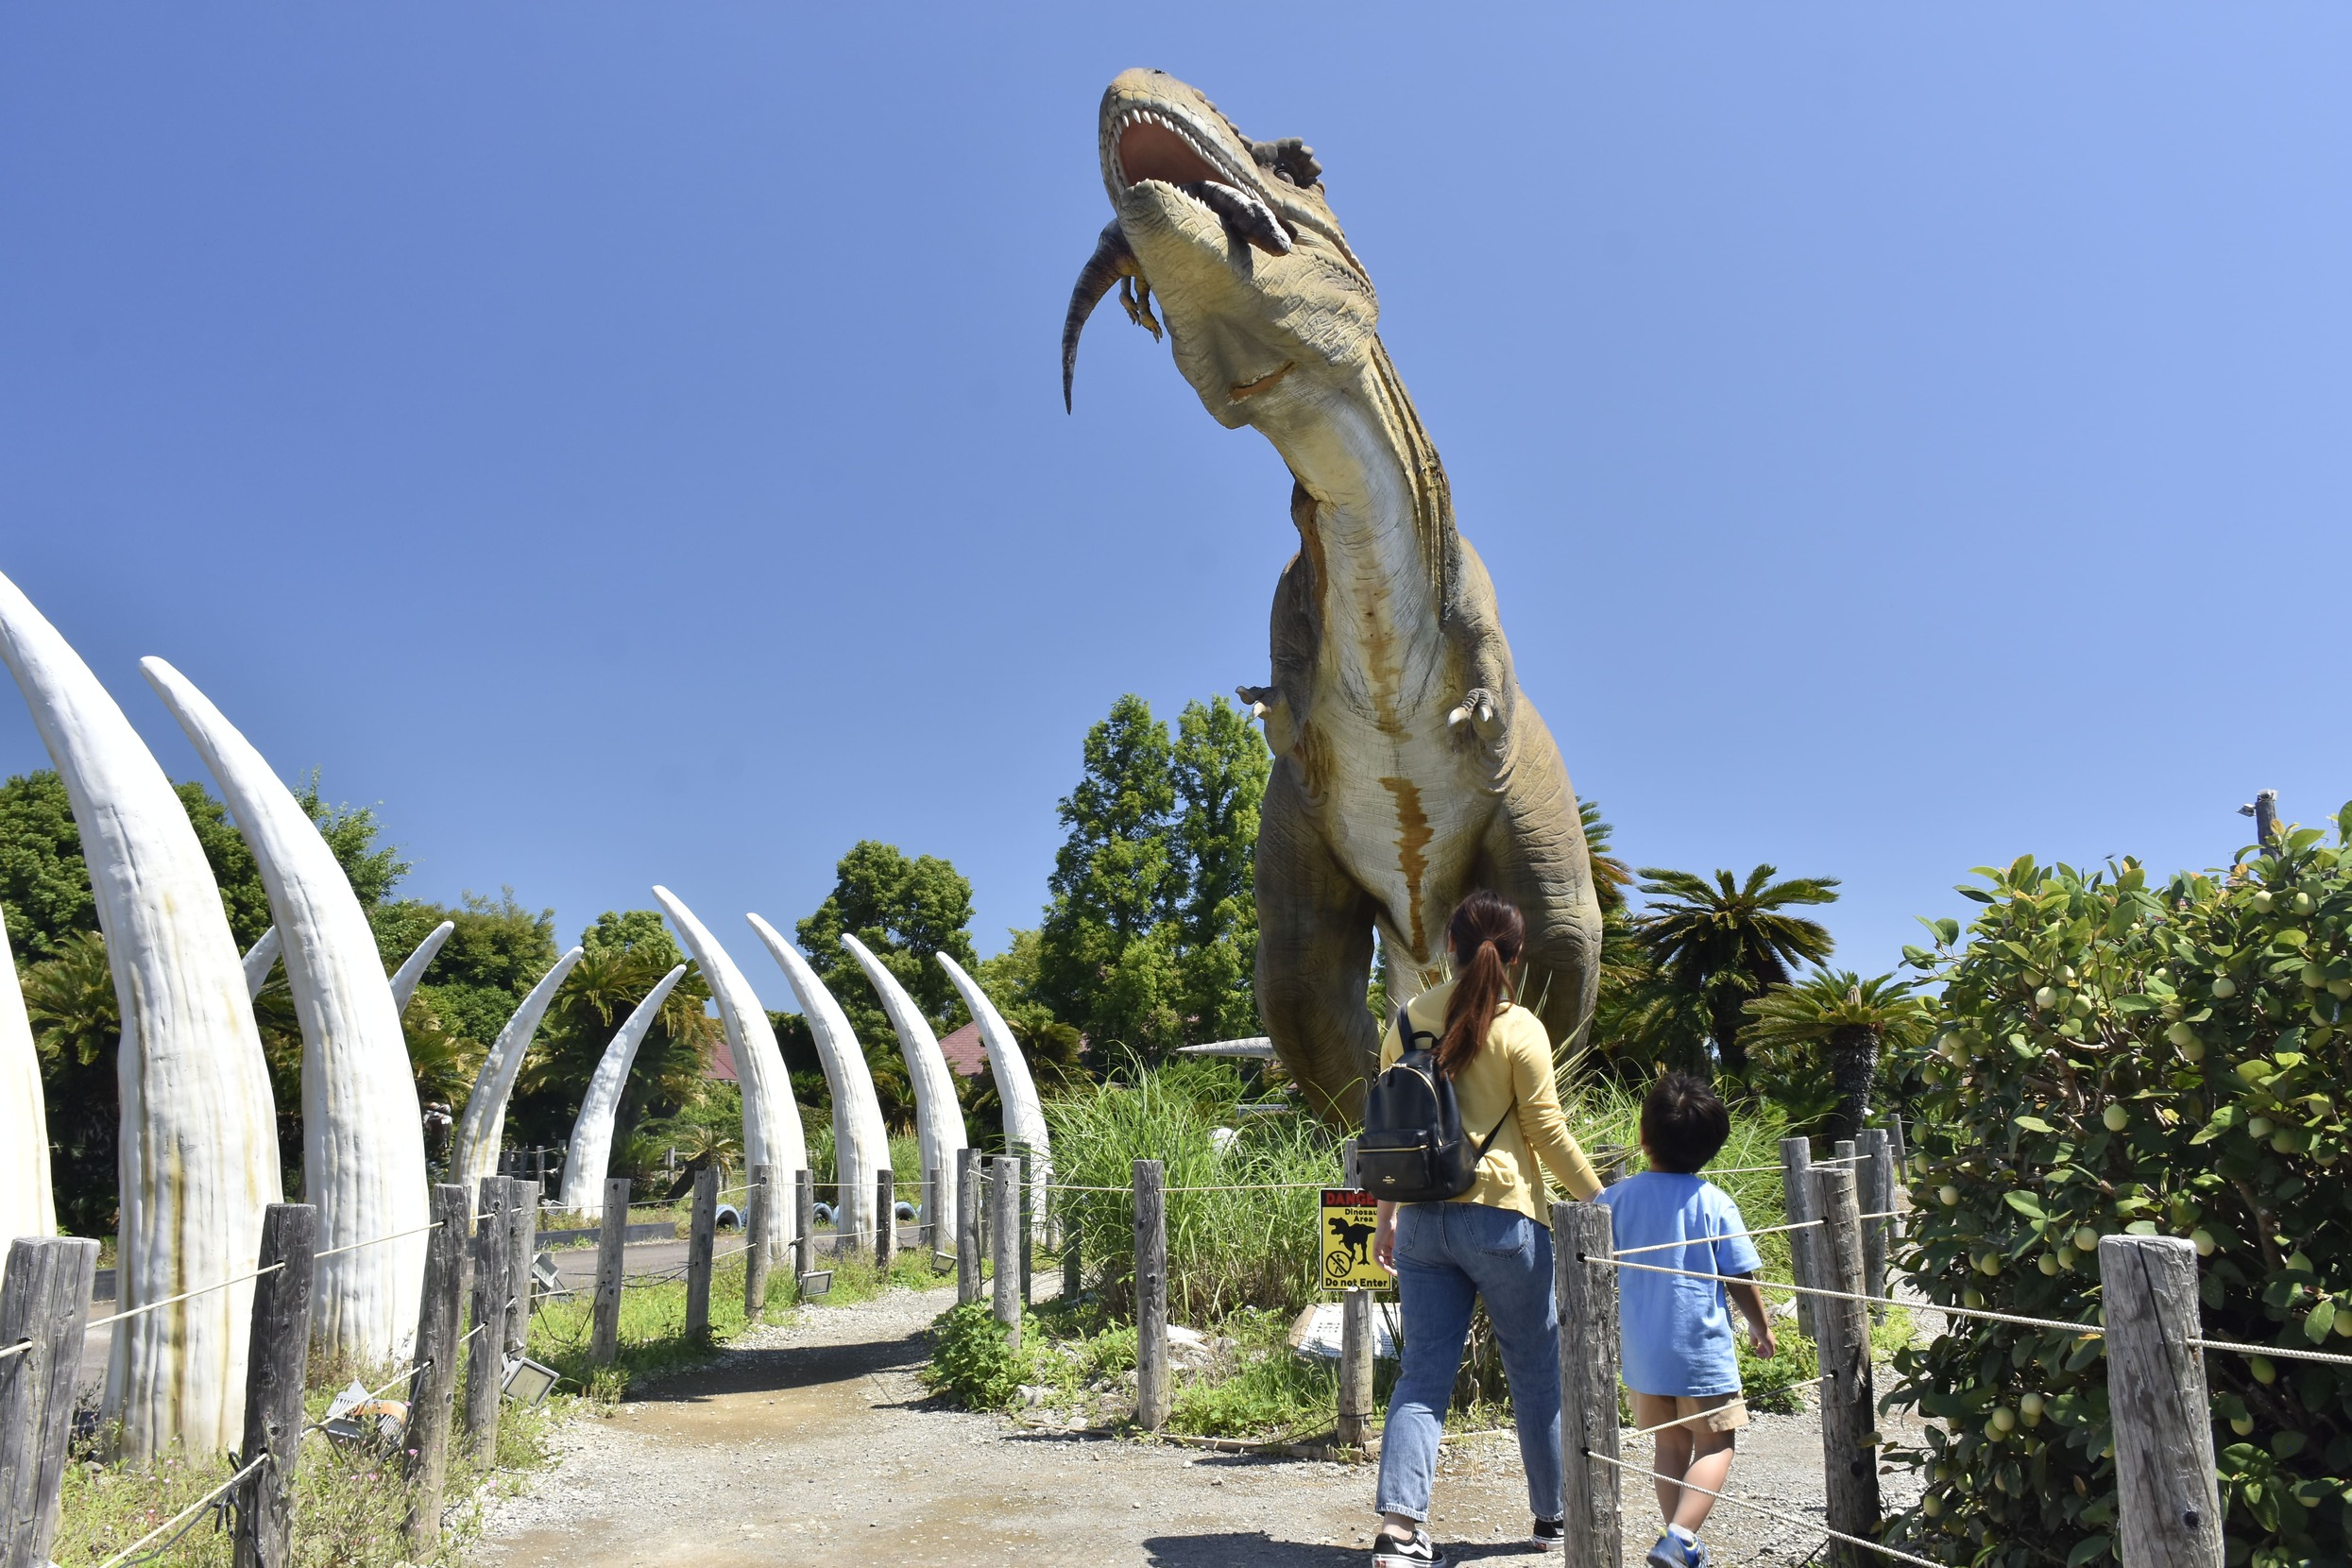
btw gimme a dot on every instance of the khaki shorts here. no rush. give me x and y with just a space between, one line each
1701 1413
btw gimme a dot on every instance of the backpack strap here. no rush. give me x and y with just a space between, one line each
1488 1143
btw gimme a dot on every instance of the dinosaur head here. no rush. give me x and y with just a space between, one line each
1234 236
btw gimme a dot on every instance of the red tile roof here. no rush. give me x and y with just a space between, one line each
721 1062
965 1054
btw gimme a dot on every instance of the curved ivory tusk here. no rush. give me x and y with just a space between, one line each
590 1154
938 1120
26 1207
363 1136
260 959
773 1135
480 1131
198 1157
1024 1115
413 967
861 1142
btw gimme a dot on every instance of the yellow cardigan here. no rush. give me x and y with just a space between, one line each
1515 1062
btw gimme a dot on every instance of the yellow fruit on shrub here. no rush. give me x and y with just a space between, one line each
2085 1239
2258 1127
2003 1419
2030 1407
1949 1196
2263 900
2115 1118
1989 1263
2243 1425
2263 1371
2182 1035
2066 1256
2340 988
1972 1297
2224 986
2047 998
2203 1240
2284 1140
2047 1264
2302 903
2192 1051
1930 1505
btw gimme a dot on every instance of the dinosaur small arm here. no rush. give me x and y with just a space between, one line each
1409 767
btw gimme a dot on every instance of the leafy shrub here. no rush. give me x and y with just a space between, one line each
2158 1059
973 1362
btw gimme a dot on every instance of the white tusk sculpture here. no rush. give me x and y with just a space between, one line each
861 1142
260 959
199 1158
938 1120
411 968
483 1128
590 1154
773 1135
1024 1117
363 1136
26 1207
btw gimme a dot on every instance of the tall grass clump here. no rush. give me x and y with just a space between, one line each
1254 1246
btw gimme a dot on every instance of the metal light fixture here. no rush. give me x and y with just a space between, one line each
528 1382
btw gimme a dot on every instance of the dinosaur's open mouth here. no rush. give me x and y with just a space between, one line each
1154 146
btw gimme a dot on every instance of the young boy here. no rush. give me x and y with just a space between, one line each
1677 1352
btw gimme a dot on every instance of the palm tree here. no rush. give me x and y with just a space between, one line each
1729 941
1854 1018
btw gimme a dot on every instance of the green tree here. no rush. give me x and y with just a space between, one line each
1219 767
1050 1046
69 997
1725 942
1847 1018
905 911
491 961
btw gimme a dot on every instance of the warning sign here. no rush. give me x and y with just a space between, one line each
1349 1220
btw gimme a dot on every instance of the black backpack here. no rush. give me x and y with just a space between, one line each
1412 1150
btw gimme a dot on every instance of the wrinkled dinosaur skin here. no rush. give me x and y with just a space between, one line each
1409 767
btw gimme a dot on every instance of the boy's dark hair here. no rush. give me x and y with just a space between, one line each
1683 1123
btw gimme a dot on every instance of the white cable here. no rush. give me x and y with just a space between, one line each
189 1512
199 1290
1768 1513
355 1246
2087 1331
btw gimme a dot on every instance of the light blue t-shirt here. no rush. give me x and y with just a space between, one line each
1677 1331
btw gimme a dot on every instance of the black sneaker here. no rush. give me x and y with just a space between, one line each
1549 1533
1420 1552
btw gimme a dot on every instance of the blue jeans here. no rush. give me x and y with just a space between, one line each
1449 1255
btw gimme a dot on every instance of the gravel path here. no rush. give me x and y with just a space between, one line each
813 1443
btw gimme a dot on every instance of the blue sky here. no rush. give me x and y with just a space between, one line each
624 441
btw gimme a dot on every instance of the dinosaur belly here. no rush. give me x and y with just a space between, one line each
1399 819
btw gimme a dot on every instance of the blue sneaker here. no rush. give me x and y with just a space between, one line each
1671 1553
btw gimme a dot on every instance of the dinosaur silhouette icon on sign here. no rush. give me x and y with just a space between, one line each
1353 1236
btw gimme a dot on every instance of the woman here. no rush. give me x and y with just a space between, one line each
1492 1243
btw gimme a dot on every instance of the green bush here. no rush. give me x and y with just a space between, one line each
973 1362
2158 1059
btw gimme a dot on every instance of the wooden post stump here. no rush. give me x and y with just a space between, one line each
1805 1246
702 1245
485 1362
1152 1383
1025 1201
1877 1197
277 1355
1073 1266
1585 1285
432 1385
1354 1426
1849 1455
522 1231
967 1227
758 1226
885 1220
45 1301
805 1227
1007 1204
927 1207
2168 1510
611 1263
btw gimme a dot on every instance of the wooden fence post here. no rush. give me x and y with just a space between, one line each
45 1301
1849 1456
885 1220
760 1206
1899 1161
805 1227
278 1353
434 1384
611 1263
1006 1201
1353 1427
486 1367
1582 1238
522 1231
1073 1266
1804 1246
1877 1196
967 1227
1151 1389
702 1236
2168 1508
1025 1201
926 1234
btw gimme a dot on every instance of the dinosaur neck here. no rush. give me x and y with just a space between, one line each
1380 535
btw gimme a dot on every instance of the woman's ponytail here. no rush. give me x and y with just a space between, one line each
1486 934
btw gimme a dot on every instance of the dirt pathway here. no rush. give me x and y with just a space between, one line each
813 1443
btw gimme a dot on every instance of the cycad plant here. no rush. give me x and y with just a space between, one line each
1729 941
1852 1020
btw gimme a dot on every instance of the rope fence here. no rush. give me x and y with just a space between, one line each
179 1523
1754 1507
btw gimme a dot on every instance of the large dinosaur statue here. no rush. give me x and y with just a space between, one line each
1409 768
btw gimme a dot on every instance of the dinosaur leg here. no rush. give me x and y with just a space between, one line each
1535 856
1314 958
